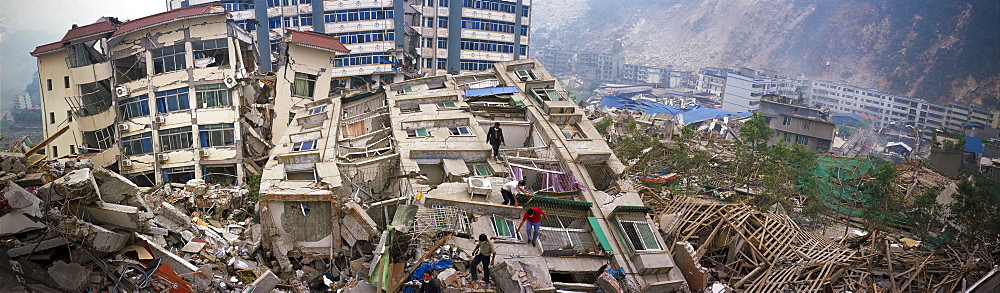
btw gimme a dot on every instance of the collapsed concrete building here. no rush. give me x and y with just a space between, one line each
378 181
163 98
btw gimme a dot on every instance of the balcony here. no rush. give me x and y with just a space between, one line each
104 158
91 73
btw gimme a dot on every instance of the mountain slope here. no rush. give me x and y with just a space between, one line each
932 49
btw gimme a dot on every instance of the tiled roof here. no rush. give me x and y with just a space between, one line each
169 16
46 48
89 30
318 41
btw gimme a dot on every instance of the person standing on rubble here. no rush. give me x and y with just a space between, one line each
484 253
429 284
510 189
534 217
495 137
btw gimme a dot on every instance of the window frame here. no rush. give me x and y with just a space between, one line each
631 242
458 131
177 97
302 146
173 138
417 133
143 142
207 134
175 54
208 92
211 49
304 80
139 104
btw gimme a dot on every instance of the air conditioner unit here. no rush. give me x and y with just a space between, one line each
121 91
203 153
123 127
126 164
162 157
160 119
230 81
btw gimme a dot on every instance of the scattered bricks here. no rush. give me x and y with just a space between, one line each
114 188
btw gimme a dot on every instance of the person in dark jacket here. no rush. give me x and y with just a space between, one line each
430 284
495 137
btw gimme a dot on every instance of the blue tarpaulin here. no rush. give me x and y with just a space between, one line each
431 266
490 91
973 145
629 104
702 114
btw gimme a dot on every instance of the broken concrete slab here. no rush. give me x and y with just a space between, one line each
77 185
21 200
114 187
72 276
32 179
265 283
12 162
105 240
37 246
180 265
15 223
115 214
523 274
360 287
193 246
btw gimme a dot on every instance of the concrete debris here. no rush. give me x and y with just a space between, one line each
522 275
70 276
114 188
264 283
15 223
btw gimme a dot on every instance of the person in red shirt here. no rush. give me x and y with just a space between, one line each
534 218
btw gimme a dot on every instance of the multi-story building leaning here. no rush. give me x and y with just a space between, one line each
163 98
393 37
347 164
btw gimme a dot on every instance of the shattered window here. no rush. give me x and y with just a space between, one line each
210 53
212 95
304 146
460 131
168 59
317 110
419 132
137 144
130 68
304 84
175 138
133 107
572 131
480 170
216 135
172 100
639 235
447 105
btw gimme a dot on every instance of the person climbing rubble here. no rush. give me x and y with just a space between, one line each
495 137
510 190
534 218
484 253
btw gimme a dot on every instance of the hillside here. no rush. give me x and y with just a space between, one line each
932 49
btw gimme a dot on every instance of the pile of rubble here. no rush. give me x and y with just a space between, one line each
71 227
737 247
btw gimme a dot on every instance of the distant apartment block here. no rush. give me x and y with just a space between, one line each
711 80
388 37
24 101
884 108
960 115
744 88
168 108
797 124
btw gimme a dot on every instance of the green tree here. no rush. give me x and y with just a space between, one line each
845 131
925 214
884 205
602 126
755 132
976 211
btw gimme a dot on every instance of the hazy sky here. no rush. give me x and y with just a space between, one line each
25 24
58 15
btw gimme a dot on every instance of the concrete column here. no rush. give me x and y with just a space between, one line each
454 36
517 29
319 24
263 37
